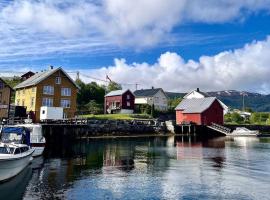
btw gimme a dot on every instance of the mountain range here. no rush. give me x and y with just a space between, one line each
235 99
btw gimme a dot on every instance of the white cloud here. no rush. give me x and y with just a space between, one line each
140 23
243 69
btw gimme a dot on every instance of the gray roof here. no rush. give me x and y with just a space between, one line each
146 92
195 105
38 77
200 92
116 93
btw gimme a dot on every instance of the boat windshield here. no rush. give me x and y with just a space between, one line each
11 137
6 150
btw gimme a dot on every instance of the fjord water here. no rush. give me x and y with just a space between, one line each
148 168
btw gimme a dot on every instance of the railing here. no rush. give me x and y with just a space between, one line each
220 128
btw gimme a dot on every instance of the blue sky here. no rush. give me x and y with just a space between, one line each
128 40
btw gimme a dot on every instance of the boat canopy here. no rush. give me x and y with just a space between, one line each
16 134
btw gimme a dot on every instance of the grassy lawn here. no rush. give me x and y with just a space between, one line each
118 116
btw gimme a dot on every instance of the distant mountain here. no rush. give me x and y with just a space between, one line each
234 99
174 95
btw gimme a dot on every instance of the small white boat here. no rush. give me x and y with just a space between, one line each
37 141
15 152
242 131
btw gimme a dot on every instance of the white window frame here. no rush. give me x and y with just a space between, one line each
58 80
128 103
47 102
128 96
18 102
66 92
65 103
48 89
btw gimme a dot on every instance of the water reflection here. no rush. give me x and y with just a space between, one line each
148 168
14 188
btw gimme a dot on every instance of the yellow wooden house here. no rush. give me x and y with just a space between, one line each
52 88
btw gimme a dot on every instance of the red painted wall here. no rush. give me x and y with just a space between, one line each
131 100
213 114
122 100
183 117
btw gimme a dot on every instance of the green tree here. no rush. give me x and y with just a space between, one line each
228 118
153 112
237 118
94 108
113 86
88 92
174 102
255 118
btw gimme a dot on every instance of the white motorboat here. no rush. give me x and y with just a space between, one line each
37 141
15 152
242 131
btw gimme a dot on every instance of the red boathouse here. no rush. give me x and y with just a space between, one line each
119 101
203 111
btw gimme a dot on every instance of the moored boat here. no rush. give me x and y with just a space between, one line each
242 131
15 152
37 141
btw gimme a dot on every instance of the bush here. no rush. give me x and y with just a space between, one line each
235 117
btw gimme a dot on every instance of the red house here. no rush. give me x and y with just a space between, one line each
119 101
203 111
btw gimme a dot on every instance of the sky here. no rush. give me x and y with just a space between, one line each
178 45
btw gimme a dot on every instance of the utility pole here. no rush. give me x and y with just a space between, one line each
243 102
136 86
78 75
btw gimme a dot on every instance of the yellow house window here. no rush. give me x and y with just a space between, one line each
65 103
23 102
33 89
23 91
48 89
18 102
58 80
19 92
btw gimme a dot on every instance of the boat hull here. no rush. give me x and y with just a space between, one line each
13 166
38 151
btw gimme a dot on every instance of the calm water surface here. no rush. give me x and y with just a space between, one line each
148 168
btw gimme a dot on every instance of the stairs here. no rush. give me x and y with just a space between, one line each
219 128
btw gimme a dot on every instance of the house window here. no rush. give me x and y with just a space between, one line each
23 91
58 80
66 92
1 86
19 92
128 96
128 104
32 101
0 97
18 102
47 89
33 89
47 102
23 102
65 103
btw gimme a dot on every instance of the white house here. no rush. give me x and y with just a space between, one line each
197 94
152 96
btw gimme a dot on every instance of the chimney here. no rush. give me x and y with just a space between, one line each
198 89
50 67
153 87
